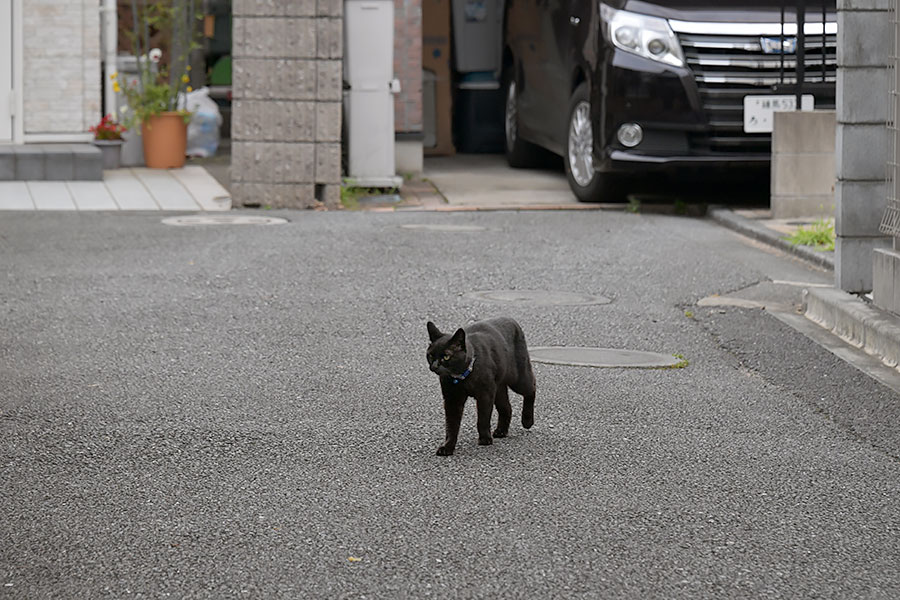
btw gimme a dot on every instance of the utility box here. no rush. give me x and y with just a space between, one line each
370 85
477 35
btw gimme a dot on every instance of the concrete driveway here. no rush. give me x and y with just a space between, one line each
487 181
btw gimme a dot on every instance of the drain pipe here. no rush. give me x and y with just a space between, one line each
109 20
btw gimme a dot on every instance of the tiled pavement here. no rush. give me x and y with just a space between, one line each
190 188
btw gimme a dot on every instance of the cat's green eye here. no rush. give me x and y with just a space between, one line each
447 357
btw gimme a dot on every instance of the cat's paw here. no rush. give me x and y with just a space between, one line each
527 422
499 433
485 441
444 450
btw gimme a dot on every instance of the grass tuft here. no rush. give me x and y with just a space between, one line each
819 235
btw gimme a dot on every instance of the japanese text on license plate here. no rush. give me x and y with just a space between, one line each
759 111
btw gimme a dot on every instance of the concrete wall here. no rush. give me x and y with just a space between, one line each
865 40
886 273
286 110
803 178
61 66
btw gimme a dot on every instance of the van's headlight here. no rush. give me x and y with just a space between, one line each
650 37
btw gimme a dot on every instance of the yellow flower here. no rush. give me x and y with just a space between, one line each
187 68
116 87
113 75
185 78
189 88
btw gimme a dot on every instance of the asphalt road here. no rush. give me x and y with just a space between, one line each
246 411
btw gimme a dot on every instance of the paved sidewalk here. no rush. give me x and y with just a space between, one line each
759 224
190 188
855 319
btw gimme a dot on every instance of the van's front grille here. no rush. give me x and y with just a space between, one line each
729 67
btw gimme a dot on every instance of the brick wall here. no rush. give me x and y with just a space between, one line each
61 75
286 110
408 65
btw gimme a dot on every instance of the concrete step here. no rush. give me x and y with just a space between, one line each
51 162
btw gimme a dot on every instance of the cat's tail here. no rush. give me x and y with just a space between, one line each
526 385
528 410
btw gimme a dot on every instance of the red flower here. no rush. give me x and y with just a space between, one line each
108 129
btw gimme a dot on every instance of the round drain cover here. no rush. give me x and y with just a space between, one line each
602 357
223 220
538 297
447 227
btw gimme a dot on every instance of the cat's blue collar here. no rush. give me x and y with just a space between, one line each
466 373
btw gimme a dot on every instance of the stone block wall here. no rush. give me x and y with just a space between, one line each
286 107
61 66
865 40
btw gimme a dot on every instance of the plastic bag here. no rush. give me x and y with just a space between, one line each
203 129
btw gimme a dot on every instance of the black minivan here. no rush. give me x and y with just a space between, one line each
620 87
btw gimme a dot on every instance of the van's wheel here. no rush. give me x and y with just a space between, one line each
519 153
587 184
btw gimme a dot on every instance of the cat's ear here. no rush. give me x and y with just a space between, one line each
433 332
459 339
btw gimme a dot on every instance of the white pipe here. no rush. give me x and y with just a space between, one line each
110 24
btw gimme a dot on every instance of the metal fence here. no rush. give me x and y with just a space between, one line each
890 221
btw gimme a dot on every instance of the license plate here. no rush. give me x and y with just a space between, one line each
759 110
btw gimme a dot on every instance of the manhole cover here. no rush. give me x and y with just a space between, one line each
603 357
447 227
538 297
223 220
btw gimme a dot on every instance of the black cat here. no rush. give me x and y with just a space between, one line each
481 361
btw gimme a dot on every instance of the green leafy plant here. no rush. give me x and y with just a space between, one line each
819 235
162 78
351 194
634 205
682 362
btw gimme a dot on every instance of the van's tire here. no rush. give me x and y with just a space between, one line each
586 183
519 153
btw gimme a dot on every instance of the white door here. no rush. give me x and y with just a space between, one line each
369 67
6 70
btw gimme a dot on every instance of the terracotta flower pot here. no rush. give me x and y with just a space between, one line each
165 141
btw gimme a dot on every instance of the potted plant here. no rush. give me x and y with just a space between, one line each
153 97
108 137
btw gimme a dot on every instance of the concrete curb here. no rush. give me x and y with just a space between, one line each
750 228
505 207
856 322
